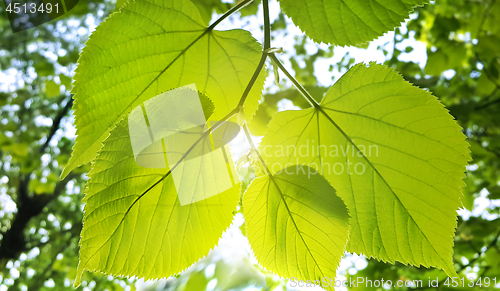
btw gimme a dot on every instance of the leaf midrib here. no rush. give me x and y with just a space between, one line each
272 178
124 216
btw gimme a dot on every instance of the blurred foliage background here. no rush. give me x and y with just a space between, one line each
40 216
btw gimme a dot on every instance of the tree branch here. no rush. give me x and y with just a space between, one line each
56 123
13 241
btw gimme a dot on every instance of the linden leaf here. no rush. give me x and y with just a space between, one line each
160 45
394 154
352 22
296 224
136 225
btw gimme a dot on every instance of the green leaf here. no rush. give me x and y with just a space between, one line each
352 22
296 224
134 224
206 104
393 153
160 45
120 4
52 89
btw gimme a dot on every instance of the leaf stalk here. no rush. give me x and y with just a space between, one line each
229 13
296 83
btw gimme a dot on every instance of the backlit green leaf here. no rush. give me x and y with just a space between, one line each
160 45
296 224
134 224
352 22
392 152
